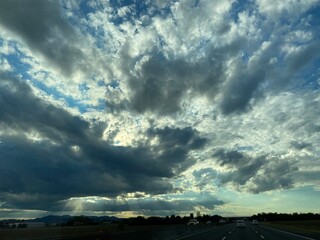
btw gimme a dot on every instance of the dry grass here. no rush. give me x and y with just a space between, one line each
307 227
54 232
64 232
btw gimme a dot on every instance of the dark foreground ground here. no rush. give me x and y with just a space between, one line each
102 232
310 228
295 230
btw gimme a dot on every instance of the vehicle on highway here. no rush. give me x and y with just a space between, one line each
193 222
255 222
240 223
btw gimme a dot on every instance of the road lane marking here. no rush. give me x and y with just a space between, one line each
262 236
293 234
224 238
194 234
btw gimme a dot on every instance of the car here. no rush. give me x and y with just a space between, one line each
222 221
241 224
255 222
193 222
208 222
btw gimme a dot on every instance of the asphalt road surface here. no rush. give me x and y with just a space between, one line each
223 232
250 232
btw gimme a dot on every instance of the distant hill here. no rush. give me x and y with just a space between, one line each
66 218
105 219
52 219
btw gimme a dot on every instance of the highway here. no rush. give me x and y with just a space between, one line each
198 232
250 232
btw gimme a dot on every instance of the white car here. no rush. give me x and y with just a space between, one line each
255 222
193 222
240 223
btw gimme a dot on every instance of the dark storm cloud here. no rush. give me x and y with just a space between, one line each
300 58
244 172
257 174
41 25
158 89
22 111
28 201
278 174
245 80
230 157
71 159
243 166
162 82
186 137
241 90
175 144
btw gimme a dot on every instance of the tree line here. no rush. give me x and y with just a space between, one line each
154 220
286 216
173 219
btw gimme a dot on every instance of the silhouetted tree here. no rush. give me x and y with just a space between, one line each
285 216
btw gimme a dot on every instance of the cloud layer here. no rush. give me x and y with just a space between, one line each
142 107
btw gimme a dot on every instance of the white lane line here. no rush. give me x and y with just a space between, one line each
224 238
194 234
293 234
262 236
229 232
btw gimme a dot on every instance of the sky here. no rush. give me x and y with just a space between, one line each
128 107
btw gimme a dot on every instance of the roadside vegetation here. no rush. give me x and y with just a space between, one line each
270 217
307 224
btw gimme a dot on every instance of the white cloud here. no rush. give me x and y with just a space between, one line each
5 66
288 8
